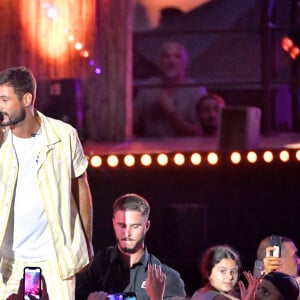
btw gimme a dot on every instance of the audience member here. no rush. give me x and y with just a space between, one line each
208 112
289 261
220 266
272 286
123 268
167 106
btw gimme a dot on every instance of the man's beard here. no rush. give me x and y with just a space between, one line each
134 248
14 118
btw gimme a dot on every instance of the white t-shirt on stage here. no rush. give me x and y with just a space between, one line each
28 234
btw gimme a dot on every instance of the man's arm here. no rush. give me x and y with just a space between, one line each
83 198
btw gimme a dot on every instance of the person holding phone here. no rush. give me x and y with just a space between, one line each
45 200
125 266
288 261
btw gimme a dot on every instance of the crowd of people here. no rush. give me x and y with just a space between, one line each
46 210
128 266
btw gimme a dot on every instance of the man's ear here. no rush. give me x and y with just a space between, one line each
27 99
147 225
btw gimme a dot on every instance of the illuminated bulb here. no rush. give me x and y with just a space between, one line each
97 70
284 156
129 160
294 52
96 161
112 161
52 13
162 159
85 53
235 158
286 43
268 156
212 158
78 46
92 62
146 160
196 159
252 157
179 159
298 155
71 38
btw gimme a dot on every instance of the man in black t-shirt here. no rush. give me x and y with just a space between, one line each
123 268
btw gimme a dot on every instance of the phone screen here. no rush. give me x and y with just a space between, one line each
32 283
258 269
122 296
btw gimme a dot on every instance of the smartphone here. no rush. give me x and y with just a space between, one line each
122 296
258 269
32 283
276 243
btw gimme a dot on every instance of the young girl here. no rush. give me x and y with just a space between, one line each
220 266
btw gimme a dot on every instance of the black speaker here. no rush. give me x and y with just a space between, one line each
65 101
239 128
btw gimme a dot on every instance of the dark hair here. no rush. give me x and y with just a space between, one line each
20 79
214 96
285 284
132 202
213 256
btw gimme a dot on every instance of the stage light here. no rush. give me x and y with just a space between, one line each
252 157
78 46
298 155
268 156
162 159
284 156
52 13
96 161
146 160
291 44
196 159
179 159
212 158
98 71
85 53
235 158
129 160
112 161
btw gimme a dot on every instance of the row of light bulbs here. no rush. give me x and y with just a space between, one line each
196 159
52 14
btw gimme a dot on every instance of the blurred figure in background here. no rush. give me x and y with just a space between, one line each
208 112
167 107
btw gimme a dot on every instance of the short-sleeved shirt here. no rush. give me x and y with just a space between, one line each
109 274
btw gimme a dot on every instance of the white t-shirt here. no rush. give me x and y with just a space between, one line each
28 234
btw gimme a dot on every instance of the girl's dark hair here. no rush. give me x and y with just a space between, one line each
214 255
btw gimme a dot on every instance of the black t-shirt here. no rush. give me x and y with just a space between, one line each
109 274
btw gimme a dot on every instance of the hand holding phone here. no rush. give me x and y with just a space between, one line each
32 283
